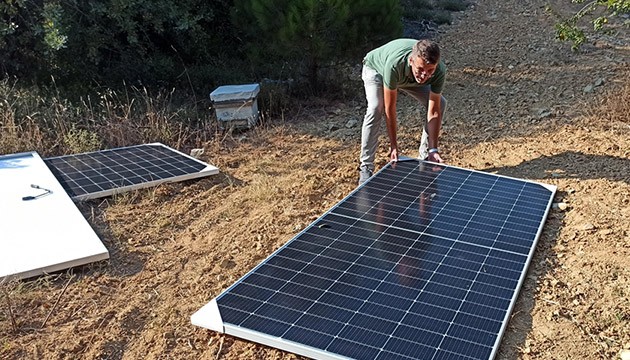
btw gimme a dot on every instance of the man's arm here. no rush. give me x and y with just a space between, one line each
390 96
434 124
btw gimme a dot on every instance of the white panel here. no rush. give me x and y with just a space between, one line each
45 234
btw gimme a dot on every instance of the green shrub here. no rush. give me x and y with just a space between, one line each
417 4
78 140
453 5
441 17
296 38
148 42
437 11
596 12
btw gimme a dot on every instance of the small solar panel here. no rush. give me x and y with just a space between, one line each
423 261
103 173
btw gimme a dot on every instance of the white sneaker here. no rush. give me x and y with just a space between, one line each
364 175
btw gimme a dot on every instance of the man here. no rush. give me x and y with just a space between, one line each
415 68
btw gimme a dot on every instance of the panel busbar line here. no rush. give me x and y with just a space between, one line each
423 261
103 173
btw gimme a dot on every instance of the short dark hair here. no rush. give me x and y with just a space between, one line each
428 50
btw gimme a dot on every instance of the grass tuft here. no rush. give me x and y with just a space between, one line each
37 119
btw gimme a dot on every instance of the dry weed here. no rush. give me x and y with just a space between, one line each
35 119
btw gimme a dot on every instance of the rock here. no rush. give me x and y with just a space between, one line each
598 82
588 226
542 113
588 89
352 123
545 114
196 153
333 127
560 206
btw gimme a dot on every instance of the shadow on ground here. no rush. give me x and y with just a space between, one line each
570 164
565 165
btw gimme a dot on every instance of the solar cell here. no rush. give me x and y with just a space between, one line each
103 173
423 261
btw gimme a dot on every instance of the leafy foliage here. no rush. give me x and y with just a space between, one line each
30 35
153 41
194 43
598 12
301 36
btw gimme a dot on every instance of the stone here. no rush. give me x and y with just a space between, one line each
588 89
560 206
545 114
196 153
599 82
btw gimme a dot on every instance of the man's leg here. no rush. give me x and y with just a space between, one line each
373 84
422 95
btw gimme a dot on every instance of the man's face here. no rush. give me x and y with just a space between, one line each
421 70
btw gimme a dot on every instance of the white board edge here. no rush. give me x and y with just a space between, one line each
209 317
56 267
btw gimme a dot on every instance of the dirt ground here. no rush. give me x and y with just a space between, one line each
520 104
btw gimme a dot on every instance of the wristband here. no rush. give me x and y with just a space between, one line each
433 150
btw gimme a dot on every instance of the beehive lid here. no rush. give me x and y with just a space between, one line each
235 92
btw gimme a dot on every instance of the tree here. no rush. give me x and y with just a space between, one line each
599 13
304 35
31 34
108 41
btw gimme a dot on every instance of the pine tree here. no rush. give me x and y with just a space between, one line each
308 34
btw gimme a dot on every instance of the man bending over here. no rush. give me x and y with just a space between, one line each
415 68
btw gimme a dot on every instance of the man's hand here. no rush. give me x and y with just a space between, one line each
435 157
393 154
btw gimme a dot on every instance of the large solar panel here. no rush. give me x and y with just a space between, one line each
103 173
423 261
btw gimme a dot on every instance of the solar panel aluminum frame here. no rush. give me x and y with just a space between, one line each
209 316
207 171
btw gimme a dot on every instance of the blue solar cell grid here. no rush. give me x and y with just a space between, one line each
107 170
421 262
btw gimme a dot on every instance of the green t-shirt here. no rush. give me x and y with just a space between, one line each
392 62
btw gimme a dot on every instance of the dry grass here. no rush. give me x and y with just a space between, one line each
615 109
35 119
